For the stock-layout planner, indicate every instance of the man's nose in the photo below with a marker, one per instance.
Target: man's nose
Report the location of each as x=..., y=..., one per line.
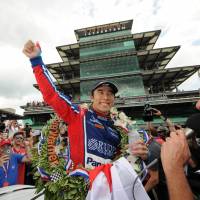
x=105, y=96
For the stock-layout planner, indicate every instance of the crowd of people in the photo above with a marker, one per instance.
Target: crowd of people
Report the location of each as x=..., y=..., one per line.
x=175, y=173
x=36, y=104
x=166, y=140
x=16, y=142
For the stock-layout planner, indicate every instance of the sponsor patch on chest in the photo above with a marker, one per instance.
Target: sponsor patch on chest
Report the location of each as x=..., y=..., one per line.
x=92, y=162
x=99, y=126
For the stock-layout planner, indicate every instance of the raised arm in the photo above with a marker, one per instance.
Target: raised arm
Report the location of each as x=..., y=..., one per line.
x=174, y=155
x=165, y=119
x=58, y=101
x=151, y=128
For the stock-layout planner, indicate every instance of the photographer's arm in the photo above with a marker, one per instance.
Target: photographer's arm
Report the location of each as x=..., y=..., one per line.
x=174, y=155
x=170, y=124
x=165, y=119
x=151, y=128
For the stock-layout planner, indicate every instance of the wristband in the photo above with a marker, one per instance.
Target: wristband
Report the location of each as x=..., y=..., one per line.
x=36, y=61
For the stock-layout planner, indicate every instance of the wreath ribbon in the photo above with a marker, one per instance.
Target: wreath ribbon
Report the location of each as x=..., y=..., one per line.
x=106, y=170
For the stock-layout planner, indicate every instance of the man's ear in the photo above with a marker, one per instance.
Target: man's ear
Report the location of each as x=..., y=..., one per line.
x=91, y=98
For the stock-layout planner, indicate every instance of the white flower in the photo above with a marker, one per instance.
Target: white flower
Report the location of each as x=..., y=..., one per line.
x=121, y=119
x=123, y=116
x=113, y=111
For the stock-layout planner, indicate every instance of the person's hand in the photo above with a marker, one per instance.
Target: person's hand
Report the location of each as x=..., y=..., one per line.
x=175, y=152
x=156, y=112
x=31, y=50
x=28, y=142
x=138, y=148
x=198, y=105
x=4, y=159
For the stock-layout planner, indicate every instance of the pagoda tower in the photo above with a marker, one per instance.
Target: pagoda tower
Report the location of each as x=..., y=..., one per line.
x=111, y=52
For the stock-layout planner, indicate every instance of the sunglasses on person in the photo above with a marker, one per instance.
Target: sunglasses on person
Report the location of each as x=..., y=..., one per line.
x=19, y=138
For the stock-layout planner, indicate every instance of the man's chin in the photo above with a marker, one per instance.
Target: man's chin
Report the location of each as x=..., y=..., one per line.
x=102, y=108
x=105, y=110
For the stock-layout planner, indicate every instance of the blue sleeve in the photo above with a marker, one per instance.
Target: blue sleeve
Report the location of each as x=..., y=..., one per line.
x=2, y=177
x=36, y=61
x=18, y=157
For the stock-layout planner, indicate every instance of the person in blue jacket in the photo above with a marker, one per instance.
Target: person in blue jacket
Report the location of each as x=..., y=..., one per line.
x=9, y=164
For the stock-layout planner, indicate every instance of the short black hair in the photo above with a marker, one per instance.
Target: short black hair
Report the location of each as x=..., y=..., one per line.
x=18, y=133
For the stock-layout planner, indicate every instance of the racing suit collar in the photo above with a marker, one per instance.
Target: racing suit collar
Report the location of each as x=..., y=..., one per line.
x=101, y=115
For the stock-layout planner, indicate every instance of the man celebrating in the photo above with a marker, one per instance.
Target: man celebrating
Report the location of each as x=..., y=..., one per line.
x=92, y=136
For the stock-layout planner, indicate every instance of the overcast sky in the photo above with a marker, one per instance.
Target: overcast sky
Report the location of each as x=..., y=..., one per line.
x=52, y=23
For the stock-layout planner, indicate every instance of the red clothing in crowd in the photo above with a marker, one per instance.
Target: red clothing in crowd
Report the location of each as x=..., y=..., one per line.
x=21, y=167
x=159, y=140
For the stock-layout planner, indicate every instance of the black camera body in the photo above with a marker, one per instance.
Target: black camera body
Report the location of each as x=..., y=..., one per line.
x=148, y=113
x=7, y=150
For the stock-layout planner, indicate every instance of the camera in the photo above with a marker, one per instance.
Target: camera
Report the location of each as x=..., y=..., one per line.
x=147, y=113
x=7, y=150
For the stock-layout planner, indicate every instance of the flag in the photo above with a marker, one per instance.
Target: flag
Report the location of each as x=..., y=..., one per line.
x=120, y=186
